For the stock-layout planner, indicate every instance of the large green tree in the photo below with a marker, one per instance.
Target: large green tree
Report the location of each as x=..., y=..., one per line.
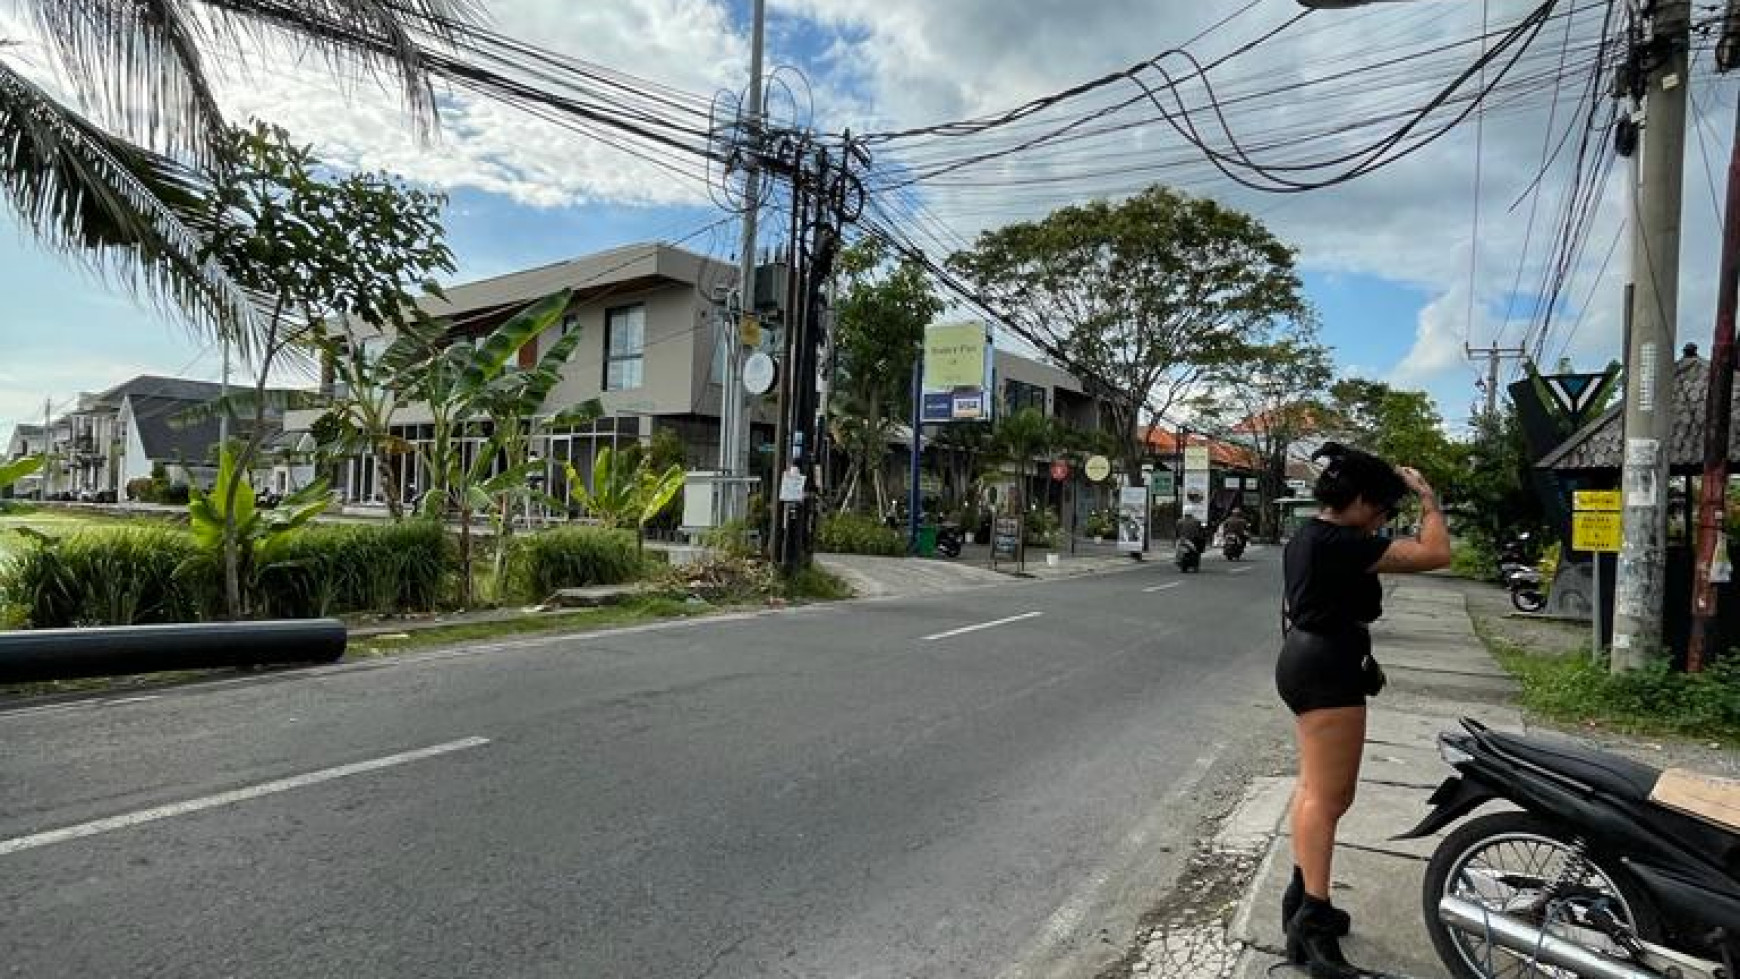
x=1138, y=298
x=880, y=318
x=1270, y=400
x=1400, y=425
x=310, y=248
x=118, y=176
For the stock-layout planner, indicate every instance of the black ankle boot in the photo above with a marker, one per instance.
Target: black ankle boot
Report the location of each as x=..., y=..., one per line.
x=1296, y=892
x=1312, y=942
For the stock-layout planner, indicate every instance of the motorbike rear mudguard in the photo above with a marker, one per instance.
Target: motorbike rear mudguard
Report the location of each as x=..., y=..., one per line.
x=1456, y=798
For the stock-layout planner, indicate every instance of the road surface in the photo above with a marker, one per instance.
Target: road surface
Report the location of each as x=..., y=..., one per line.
x=970, y=784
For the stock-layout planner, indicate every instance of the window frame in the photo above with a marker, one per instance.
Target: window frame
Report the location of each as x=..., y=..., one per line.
x=611, y=358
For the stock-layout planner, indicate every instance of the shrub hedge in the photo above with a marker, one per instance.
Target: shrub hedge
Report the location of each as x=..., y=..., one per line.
x=111, y=576
x=851, y=533
x=572, y=557
x=135, y=576
x=334, y=569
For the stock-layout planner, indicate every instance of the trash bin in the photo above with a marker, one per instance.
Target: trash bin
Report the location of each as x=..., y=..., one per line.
x=926, y=543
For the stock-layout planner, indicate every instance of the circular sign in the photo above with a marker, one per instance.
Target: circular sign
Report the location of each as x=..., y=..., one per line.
x=1098, y=468
x=758, y=373
x=1059, y=471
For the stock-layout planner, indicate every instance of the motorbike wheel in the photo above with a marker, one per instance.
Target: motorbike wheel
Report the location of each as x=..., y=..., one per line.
x=1527, y=600
x=1505, y=861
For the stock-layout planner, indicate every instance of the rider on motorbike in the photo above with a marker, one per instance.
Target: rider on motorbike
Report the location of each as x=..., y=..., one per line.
x=1235, y=525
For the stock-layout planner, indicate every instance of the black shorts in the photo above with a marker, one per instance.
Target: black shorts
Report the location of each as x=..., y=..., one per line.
x=1318, y=671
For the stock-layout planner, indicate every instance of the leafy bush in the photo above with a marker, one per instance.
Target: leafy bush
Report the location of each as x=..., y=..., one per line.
x=1101, y=523
x=108, y=576
x=333, y=569
x=1042, y=528
x=851, y=533
x=1472, y=557
x=1654, y=700
x=141, y=490
x=572, y=557
x=175, y=494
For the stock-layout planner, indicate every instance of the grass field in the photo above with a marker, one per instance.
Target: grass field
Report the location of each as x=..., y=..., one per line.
x=51, y=521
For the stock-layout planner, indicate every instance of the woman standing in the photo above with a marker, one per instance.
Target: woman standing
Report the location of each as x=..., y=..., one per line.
x=1326, y=670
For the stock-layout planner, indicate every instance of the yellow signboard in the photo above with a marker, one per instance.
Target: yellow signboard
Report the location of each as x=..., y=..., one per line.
x=954, y=357
x=1602, y=500
x=749, y=331
x=1594, y=530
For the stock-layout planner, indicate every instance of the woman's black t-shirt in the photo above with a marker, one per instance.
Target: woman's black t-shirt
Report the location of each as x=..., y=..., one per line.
x=1330, y=587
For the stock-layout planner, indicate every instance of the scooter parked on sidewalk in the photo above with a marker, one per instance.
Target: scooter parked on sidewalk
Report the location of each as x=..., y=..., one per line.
x=948, y=540
x=1524, y=584
x=1605, y=873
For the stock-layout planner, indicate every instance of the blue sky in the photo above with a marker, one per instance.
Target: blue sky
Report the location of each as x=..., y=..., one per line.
x=1386, y=260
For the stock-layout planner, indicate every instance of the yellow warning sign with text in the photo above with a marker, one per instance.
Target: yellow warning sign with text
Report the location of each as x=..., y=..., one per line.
x=1601, y=500
x=1595, y=530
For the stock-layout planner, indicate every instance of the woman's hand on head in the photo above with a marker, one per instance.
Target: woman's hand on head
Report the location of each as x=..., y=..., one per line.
x=1415, y=481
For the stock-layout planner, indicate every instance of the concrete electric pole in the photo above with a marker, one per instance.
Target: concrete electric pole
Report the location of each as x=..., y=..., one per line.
x=1649, y=360
x=1495, y=355
x=733, y=414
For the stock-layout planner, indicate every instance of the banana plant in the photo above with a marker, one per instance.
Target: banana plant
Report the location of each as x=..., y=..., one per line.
x=230, y=502
x=625, y=496
x=462, y=385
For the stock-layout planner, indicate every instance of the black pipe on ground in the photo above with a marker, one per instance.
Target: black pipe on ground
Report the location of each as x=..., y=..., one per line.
x=36, y=655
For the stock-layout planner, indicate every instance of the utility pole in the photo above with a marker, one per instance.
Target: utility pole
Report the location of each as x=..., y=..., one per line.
x=1494, y=355
x=733, y=416
x=1712, y=503
x=1649, y=361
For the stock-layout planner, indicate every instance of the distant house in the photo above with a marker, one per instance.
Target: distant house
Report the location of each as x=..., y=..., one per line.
x=119, y=435
x=26, y=440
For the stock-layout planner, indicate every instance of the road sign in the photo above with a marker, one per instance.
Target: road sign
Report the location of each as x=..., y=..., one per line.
x=1098, y=468
x=1595, y=530
x=758, y=373
x=749, y=331
x=1196, y=458
x=1059, y=470
x=1597, y=500
x=1161, y=484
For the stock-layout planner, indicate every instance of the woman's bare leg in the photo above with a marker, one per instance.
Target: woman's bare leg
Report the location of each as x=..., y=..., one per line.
x=1331, y=743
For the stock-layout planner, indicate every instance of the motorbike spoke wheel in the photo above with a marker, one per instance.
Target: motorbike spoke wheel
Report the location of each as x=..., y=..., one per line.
x=1510, y=863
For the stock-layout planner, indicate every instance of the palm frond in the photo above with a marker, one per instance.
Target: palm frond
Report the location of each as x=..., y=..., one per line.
x=125, y=212
x=137, y=65
x=385, y=37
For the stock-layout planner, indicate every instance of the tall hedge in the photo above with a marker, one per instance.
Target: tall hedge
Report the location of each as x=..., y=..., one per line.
x=134, y=576
x=572, y=557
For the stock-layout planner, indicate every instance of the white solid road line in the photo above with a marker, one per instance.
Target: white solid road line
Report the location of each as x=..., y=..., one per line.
x=1169, y=584
x=983, y=625
x=125, y=820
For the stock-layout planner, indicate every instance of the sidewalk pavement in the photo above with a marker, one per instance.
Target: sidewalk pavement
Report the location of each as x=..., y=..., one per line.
x=1439, y=671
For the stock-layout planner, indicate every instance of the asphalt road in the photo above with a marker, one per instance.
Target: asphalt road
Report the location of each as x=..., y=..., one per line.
x=847, y=790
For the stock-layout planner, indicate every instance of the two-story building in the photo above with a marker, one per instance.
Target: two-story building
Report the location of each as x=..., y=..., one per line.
x=651, y=352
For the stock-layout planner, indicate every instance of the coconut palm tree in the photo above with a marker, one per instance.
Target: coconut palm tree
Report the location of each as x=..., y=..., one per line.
x=112, y=175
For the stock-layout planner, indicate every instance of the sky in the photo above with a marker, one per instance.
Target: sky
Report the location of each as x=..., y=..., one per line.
x=1391, y=261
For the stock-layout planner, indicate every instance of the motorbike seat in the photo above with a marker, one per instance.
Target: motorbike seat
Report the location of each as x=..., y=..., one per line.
x=1598, y=769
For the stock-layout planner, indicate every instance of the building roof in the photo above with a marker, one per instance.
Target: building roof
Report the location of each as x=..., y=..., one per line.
x=1163, y=442
x=1601, y=443
x=630, y=266
x=166, y=437
x=152, y=385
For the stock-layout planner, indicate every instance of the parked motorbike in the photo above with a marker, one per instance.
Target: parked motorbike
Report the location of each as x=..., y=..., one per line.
x=1232, y=546
x=1524, y=582
x=1187, y=555
x=1591, y=878
x=948, y=540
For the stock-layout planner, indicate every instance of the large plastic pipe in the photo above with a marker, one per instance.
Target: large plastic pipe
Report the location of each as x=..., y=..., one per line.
x=35, y=655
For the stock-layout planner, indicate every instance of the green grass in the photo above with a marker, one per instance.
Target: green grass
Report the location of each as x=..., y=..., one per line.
x=557, y=623
x=1570, y=688
x=55, y=523
x=814, y=584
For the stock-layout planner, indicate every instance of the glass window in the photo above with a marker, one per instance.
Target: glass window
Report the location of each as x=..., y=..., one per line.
x=624, y=348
